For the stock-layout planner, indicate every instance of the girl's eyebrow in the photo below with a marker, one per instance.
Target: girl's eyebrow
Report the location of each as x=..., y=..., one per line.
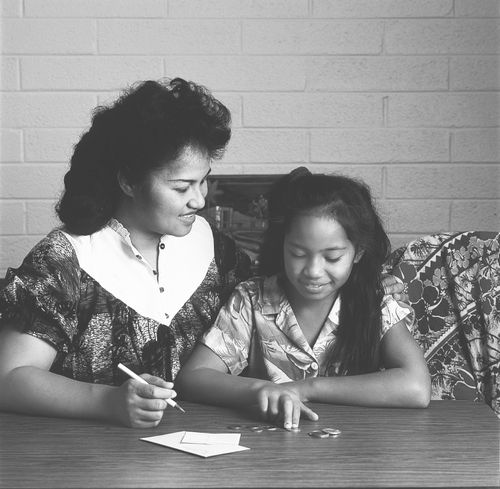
x=187, y=180
x=332, y=248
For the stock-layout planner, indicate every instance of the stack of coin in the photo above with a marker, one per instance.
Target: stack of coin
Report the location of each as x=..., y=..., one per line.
x=325, y=433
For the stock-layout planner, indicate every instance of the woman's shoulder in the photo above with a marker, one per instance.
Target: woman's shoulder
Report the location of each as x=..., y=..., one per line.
x=52, y=249
x=53, y=256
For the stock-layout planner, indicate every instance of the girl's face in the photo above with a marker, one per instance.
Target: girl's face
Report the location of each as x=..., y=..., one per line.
x=318, y=258
x=167, y=200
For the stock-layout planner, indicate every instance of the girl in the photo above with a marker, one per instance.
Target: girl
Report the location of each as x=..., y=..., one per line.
x=316, y=327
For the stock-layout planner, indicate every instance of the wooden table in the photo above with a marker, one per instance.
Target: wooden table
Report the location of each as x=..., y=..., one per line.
x=450, y=444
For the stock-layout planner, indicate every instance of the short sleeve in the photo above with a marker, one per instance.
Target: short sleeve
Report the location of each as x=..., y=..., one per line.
x=230, y=336
x=394, y=312
x=41, y=296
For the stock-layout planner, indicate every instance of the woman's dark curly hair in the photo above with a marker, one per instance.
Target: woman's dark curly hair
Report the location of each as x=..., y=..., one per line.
x=150, y=124
x=349, y=202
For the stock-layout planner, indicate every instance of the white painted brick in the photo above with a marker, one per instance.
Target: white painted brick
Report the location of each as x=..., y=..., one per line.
x=9, y=73
x=13, y=249
x=11, y=145
x=312, y=37
x=32, y=181
x=443, y=182
x=256, y=146
x=238, y=8
x=87, y=72
x=443, y=109
x=95, y=8
x=169, y=37
x=268, y=168
x=25, y=110
x=381, y=8
x=475, y=73
x=312, y=110
x=371, y=175
x=398, y=240
x=109, y=98
x=11, y=8
x=477, y=8
x=41, y=217
x=377, y=73
x=50, y=145
x=220, y=167
x=380, y=146
x=12, y=217
x=475, y=215
x=251, y=73
x=410, y=216
x=61, y=36
x=442, y=36
x=476, y=145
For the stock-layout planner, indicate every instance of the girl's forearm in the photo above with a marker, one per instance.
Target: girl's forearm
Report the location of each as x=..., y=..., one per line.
x=35, y=391
x=388, y=388
x=214, y=387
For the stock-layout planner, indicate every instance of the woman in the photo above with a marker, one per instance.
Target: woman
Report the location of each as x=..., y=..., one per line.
x=133, y=276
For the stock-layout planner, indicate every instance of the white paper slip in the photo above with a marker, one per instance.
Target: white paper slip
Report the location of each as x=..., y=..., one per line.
x=174, y=440
x=211, y=438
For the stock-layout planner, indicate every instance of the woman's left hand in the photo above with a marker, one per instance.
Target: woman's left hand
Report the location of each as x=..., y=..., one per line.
x=393, y=286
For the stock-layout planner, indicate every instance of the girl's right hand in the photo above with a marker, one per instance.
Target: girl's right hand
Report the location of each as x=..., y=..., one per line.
x=278, y=403
x=139, y=405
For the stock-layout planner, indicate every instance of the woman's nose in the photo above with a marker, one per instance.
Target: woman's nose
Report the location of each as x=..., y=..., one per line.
x=197, y=201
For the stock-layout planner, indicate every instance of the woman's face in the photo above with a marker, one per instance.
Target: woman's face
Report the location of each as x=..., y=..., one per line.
x=167, y=200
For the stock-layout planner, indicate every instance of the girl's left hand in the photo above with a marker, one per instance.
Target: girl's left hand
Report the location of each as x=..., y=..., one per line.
x=277, y=402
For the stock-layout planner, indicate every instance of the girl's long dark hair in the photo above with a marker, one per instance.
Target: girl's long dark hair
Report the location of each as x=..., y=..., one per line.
x=349, y=202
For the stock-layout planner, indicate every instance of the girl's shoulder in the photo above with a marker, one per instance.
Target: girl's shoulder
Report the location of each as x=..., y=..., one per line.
x=252, y=286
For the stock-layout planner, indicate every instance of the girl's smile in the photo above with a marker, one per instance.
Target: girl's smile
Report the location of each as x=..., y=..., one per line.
x=318, y=258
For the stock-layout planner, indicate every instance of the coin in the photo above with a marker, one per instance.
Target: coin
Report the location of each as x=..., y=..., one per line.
x=331, y=431
x=235, y=427
x=256, y=429
x=318, y=434
x=295, y=429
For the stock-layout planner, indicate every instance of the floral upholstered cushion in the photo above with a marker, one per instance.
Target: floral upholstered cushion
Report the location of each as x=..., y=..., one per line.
x=453, y=284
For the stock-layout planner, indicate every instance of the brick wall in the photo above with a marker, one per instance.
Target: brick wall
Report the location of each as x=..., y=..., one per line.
x=402, y=93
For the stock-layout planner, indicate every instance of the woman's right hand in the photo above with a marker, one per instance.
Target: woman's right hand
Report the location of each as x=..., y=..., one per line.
x=139, y=405
x=278, y=403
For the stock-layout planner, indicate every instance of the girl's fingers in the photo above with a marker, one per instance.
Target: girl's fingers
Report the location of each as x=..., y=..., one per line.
x=297, y=408
x=262, y=404
x=308, y=412
x=287, y=407
x=273, y=409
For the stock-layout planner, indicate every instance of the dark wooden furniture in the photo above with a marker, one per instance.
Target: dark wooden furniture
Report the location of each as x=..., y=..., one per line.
x=450, y=444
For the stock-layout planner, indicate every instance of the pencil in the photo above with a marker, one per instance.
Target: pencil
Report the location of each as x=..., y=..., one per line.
x=129, y=372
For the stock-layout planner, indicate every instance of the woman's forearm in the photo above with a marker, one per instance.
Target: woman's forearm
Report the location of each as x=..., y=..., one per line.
x=393, y=387
x=36, y=391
